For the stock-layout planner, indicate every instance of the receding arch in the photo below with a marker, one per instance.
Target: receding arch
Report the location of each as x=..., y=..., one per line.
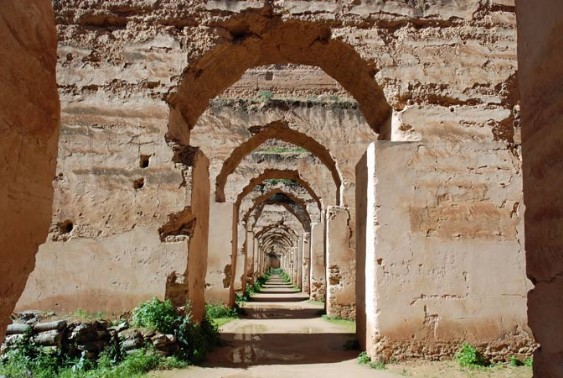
x=267, y=196
x=279, y=226
x=283, y=174
x=259, y=38
x=295, y=209
x=277, y=130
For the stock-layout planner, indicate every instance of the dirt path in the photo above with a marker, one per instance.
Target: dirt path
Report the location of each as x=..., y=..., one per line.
x=285, y=348
x=283, y=335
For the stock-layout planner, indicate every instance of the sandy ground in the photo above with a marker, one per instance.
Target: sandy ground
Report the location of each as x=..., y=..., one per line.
x=284, y=336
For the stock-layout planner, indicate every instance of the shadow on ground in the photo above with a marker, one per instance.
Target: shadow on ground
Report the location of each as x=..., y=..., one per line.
x=250, y=349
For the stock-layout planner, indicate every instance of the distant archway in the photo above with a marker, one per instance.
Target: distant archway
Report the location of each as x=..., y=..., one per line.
x=277, y=130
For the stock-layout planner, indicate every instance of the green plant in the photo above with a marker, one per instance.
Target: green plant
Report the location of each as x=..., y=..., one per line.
x=24, y=358
x=215, y=311
x=364, y=359
x=157, y=315
x=529, y=362
x=469, y=356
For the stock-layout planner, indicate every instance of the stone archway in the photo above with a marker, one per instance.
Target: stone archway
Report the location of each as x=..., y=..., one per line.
x=260, y=38
x=277, y=130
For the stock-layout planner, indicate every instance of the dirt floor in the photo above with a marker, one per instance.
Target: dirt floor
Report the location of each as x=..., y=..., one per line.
x=286, y=337
x=314, y=347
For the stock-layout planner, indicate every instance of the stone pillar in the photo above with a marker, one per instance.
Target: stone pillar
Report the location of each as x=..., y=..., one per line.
x=240, y=267
x=366, y=300
x=318, y=267
x=540, y=61
x=250, y=258
x=341, y=265
x=299, y=262
x=198, y=244
x=219, y=262
x=29, y=114
x=306, y=268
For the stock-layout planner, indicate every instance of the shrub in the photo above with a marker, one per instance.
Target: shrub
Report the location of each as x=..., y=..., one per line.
x=469, y=356
x=156, y=315
x=25, y=358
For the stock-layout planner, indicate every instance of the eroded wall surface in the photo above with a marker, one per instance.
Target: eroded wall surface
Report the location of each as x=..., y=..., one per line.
x=29, y=124
x=540, y=43
x=447, y=260
x=448, y=70
x=340, y=265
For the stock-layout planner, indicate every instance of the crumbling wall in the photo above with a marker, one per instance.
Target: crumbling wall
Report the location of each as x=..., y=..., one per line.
x=29, y=124
x=446, y=69
x=540, y=43
x=116, y=184
x=447, y=260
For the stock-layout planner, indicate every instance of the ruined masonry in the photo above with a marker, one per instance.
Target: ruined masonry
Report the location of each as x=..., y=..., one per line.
x=371, y=149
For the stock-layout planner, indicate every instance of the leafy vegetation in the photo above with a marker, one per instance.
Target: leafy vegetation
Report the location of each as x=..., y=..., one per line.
x=280, y=150
x=288, y=182
x=221, y=314
x=469, y=356
x=156, y=315
x=27, y=359
x=364, y=359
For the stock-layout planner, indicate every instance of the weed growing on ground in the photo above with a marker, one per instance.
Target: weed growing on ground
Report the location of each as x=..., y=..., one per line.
x=221, y=314
x=364, y=359
x=469, y=356
x=215, y=311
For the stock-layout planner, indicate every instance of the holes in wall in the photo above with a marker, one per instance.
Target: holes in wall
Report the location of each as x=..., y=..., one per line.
x=66, y=226
x=269, y=76
x=139, y=183
x=144, y=161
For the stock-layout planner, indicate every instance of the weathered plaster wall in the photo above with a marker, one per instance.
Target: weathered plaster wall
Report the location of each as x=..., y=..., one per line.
x=219, y=262
x=29, y=124
x=447, y=70
x=448, y=248
x=112, y=274
x=540, y=44
x=340, y=265
x=318, y=271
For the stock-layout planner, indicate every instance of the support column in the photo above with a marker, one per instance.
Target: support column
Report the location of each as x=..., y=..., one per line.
x=318, y=264
x=299, y=262
x=198, y=244
x=341, y=265
x=306, y=267
x=540, y=61
x=240, y=267
x=219, y=262
x=250, y=258
x=366, y=300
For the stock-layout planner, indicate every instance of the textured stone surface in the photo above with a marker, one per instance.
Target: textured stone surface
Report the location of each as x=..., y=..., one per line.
x=432, y=283
x=433, y=72
x=540, y=31
x=340, y=265
x=29, y=121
